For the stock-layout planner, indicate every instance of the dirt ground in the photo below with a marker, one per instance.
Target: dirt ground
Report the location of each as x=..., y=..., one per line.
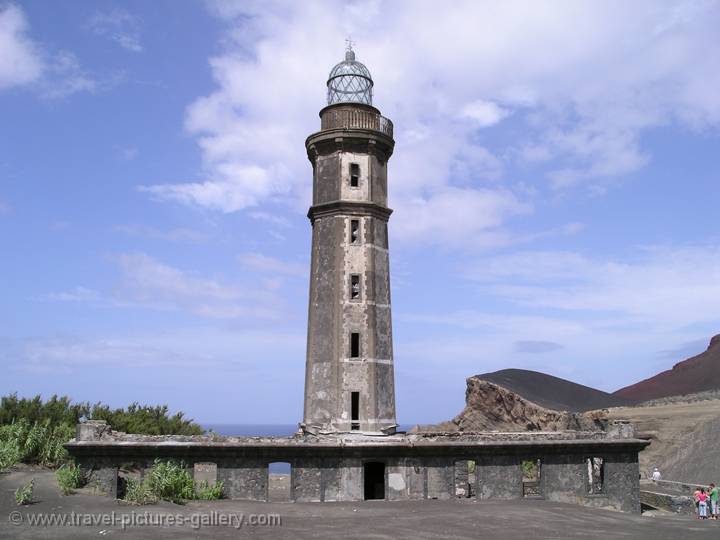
x=456, y=519
x=672, y=427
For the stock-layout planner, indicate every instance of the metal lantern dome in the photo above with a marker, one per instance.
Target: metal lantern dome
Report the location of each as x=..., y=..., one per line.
x=349, y=82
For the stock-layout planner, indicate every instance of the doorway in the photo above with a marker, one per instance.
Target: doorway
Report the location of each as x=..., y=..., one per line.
x=279, y=486
x=374, y=480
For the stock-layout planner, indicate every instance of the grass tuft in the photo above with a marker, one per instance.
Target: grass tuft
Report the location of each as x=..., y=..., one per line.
x=24, y=494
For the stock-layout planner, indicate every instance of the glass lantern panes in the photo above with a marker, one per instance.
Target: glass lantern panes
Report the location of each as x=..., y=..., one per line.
x=349, y=82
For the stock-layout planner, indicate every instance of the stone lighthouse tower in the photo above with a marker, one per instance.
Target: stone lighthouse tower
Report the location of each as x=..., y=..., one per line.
x=349, y=379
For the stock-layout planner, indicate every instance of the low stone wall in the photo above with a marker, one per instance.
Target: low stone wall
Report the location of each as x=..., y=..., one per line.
x=415, y=467
x=680, y=504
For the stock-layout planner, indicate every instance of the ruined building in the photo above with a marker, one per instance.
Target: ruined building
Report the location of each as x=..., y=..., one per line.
x=347, y=448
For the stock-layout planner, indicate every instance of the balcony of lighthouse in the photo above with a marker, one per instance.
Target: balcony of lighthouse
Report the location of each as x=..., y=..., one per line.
x=345, y=116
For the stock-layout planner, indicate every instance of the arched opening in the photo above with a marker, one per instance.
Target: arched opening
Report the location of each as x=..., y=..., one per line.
x=374, y=480
x=279, y=481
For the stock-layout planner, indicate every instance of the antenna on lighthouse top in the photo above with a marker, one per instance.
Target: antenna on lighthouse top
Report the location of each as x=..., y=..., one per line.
x=349, y=53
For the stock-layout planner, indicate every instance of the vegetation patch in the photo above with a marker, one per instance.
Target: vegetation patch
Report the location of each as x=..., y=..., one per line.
x=136, y=418
x=35, y=431
x=69, y=478
x=38, y=442
x=170, y=481
x=137, y=492
x=24, y=494
x=206, y=492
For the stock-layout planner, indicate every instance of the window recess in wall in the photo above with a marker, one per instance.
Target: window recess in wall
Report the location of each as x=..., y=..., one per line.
x=354, y=175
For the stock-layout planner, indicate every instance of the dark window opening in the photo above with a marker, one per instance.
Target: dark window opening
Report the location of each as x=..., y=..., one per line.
x=355, y=410
x=354, y=345
x=354, y=230
x=531, y=471
x=354, y=175
x=374, y=480
x=596, y=475
x=354, y=287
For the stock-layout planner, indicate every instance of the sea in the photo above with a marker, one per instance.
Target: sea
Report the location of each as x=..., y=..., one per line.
x=267, y=430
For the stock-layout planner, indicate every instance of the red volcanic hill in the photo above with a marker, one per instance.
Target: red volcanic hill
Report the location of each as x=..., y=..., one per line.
x=697, y=374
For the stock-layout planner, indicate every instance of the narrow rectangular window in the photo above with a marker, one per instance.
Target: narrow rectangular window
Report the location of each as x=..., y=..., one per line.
x=354, y=175
x=355, y=410
x=596, y=475
x=354, y=230
x=354, y=345
x=354, y=287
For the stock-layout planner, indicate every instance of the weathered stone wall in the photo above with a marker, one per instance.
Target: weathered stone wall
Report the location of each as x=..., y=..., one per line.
x=244, y=479
x=680, y=504
x=307, y=482
x=498, y=477
x=564, y=478
x=416, y=466
x=622, y=481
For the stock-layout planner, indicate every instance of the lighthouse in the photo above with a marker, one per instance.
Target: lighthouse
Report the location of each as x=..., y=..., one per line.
x=349, y=377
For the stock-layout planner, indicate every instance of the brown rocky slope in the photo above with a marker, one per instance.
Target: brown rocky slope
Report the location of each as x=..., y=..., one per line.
x=697, y=374
x=491, y=407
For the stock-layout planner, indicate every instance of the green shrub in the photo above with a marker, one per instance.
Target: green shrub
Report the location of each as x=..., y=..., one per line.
x=142, y=419
x=170, y=481
x=206, y=492
x=137, y=492
x=69, y=478
x=24, y=494
x=9, y=453
x=530, y=469
x=146, y=420
x=40, y=443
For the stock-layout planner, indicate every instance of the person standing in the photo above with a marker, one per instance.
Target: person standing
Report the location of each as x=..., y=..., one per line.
x=696, y=499
x=702, y=504
x=656, y=475
x=713, y=501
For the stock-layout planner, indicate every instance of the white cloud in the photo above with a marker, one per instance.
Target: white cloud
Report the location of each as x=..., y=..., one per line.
x=150, y=283
x=239, y=187
x=25, y=62
x=64, y=76
x=484, y=113
x=458, y=217
x=20, y=62
x=584, y=82
x=62, y=354
x=663, y=287
x=77, y=294
x=119, y=26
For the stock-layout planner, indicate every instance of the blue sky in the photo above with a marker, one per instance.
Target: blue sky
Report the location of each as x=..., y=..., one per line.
x=555, y=187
